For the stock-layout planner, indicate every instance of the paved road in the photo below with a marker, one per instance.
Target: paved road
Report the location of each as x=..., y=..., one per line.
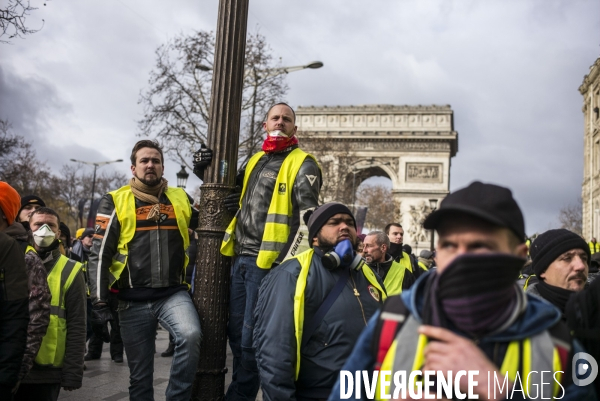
x=109, y=381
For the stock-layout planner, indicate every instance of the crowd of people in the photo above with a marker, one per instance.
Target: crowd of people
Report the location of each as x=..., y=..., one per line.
x=309, y=297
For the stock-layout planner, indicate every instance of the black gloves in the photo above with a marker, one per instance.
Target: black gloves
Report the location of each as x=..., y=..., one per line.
x=202, y=159
x=232, y=201
x=100, y=316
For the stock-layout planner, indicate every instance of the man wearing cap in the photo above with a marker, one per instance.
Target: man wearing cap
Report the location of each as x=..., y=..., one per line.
x=425, y=259
x=312, y=308
x=28, y=204
x=39, y=293
x=469, y=314
x=393, y=274
x=560, y=261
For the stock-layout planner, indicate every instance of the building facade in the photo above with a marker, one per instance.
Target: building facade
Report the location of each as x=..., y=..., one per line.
x=590, y=193
x=411, y=145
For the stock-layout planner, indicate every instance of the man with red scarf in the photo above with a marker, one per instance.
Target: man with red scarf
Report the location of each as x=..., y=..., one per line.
x=279, y=184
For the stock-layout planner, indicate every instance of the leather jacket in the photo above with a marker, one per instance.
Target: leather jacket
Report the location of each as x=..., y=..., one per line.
x=257, y=199
x=156, y=255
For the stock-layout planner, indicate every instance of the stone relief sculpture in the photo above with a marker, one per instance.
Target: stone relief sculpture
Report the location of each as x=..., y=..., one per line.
x=418, y=214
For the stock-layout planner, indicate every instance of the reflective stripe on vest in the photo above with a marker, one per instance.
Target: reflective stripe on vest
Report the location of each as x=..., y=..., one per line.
x=305, y=259
x=535, y=354
x=125, y=210
x=527, y=281
x=395, y=276
x=279, y=215
x=60, y=278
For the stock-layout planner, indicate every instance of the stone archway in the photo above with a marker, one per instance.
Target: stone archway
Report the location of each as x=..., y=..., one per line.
x=412, y=145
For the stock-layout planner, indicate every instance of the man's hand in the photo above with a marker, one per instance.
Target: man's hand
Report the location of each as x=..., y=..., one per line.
x=202, y=159
x=100, y=316
x=232, y=201
x=453, y=352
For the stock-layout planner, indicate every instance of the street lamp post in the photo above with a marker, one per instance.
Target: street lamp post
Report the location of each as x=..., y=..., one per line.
x=90, y=222
x=353, y=191
x=182, y=177
x=211, y=290
x=433, y=205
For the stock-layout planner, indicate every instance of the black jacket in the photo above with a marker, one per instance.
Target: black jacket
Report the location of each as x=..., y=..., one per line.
x=156, y=255
x=14, y=311
x=257, y=199
x=330, y=344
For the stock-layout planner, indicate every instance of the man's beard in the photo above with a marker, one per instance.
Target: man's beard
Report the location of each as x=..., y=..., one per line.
x=325, y=244
x=150, y=183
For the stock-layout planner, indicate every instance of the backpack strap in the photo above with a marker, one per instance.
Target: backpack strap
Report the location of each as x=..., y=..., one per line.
x=315, y=321
x=563, y=343
x=392, y=318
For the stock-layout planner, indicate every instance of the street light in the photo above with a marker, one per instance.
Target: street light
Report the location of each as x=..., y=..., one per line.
x=90, y=223
x=433, y=205
x=272, y=71
x=182, y=177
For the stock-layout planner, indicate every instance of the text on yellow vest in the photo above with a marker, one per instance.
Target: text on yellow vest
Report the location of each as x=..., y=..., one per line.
x=279, y=215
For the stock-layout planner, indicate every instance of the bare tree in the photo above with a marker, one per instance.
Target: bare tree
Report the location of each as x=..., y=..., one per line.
x=12, y=20
x=378, y=199
x=177, y=103
x=570, y=217
x=21, y=168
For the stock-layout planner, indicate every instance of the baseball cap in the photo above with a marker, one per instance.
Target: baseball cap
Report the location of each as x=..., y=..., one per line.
x=488, y=202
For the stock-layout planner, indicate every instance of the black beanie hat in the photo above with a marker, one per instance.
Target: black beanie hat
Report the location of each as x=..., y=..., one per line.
x=31, y=199
x=321, y=214
x=64, y=229
x=550, y=245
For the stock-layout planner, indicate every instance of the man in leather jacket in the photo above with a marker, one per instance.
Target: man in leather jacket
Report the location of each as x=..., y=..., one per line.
x=140, y=247
x=279, y=176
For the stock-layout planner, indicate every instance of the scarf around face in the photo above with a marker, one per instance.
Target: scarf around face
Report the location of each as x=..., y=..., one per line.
x=149, y=194
x=555, y=295
x=476, y=294
x=278, y=143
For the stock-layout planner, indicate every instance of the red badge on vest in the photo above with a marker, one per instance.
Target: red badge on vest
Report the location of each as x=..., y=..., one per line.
x=374, y=293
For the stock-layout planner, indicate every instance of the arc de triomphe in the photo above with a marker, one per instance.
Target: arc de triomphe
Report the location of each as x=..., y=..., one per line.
x=412, y=145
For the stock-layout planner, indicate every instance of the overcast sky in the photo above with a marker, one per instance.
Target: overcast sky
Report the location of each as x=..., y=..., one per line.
x=510, y=69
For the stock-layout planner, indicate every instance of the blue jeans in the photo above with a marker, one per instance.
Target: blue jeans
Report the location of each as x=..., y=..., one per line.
x=138, y=329
x=245, y=280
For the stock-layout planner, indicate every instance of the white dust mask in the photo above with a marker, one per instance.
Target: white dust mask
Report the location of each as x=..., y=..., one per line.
x=44, y=236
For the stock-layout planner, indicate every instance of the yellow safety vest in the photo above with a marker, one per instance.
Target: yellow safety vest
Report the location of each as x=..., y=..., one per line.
x=279, y=215
x=594, y=247
x=305, y=259
x=125, y=209
x=423, y=266
x=539, y=354
x=60, y=278
x=395, y=276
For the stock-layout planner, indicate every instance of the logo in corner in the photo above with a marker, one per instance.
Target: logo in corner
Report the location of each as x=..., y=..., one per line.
x=282, y=188
x=584, y=369
x=374, y=293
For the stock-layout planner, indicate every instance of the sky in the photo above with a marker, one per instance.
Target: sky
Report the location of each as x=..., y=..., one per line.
x=510, y=69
